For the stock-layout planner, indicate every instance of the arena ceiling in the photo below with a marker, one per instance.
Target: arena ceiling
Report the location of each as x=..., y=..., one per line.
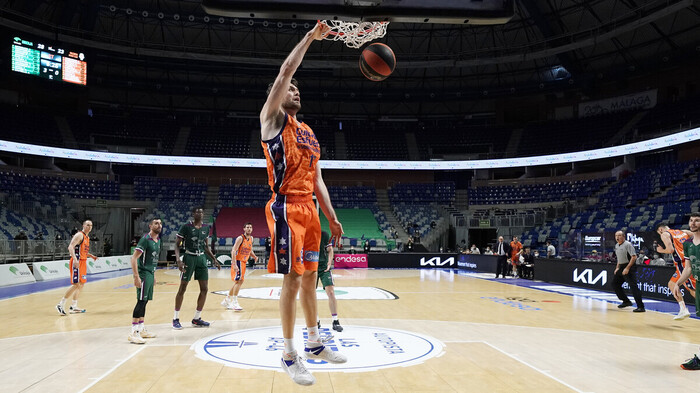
x=548, y=44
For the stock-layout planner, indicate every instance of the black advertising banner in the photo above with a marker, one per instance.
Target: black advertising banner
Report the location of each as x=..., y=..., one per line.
x=476, y=262
x=412, y=261
x=652, y=280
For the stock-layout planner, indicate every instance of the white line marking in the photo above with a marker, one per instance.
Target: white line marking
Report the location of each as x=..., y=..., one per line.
x=111, y=370
x=543, y=372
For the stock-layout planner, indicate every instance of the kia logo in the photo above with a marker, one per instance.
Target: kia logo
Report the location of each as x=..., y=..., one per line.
x=436, y=261
x=586, y=277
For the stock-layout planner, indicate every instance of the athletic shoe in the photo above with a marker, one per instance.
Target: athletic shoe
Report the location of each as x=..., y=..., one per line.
x=146, y=334
x=176, y=324
x=337, y=327
x=324, y=353
x=691, y=364
x=199, y=323
x=236, y=307
x=624, y=304
x=639, y=309
x=76, y=310
x=135, y=338
x=682, y=314
x=225, y=303
x=60, y=309
x=296, y=369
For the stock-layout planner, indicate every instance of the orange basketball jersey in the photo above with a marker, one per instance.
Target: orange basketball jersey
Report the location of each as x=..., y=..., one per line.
x=244, y=249
x=291, y=157
x=678, y=237
x=82, y=248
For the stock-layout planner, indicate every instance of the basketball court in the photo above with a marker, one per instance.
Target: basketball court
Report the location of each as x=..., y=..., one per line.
x=442, y=331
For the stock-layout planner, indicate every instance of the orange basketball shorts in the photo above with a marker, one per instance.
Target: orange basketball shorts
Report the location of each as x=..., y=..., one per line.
x=295, y=234
x=79, y=272
x=240, y=274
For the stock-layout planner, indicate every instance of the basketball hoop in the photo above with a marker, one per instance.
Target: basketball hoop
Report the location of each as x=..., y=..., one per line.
x=355, y=34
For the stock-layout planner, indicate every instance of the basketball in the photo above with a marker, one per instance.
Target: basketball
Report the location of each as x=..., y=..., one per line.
x=377, y=62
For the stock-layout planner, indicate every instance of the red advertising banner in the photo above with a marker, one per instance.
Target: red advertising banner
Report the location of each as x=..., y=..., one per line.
x=350, y=261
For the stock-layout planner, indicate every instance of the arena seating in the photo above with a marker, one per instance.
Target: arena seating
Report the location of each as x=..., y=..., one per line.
x=642, y=184
x=375, y=141
x=535, y=193
x=358, y=224
x=230, y=222
x=175, y=200
x=57, y=186
x=156, y=131
x=165, y=189
x=227, y=138
x=439, y=138
x=631, y=204
x=243, y=195
x=415, y=204
x=12, y=222
x=571, y=135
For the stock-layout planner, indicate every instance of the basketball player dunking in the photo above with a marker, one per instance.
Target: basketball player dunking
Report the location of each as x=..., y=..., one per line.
x=673, y=240
x=292, y=152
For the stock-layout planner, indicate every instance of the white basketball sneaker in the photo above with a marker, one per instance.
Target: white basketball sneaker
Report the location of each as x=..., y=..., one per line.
x=146, y=334
x=135, y=338
x=682, y=314
x=296, y=369
x=225, y=303
x=236, y=307
x=324, y=353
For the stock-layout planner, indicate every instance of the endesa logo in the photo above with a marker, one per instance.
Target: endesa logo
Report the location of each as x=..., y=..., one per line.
x=437, y=261
x=586, y=277
x=350, y=260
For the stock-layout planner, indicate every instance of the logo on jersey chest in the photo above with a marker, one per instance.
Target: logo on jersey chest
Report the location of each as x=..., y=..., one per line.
x=307, y=140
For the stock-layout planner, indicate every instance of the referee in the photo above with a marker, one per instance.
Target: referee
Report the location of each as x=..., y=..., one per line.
x=626, y=270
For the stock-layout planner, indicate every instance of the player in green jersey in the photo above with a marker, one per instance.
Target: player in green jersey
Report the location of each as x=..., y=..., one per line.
x=194, y=236
x=691, y=252
x=144, y=263
x=325, y=259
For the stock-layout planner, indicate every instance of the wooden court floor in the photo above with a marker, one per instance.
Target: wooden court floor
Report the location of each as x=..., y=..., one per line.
x=555, y=343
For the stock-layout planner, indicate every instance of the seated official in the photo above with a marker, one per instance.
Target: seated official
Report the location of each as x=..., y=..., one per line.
x=526, y=269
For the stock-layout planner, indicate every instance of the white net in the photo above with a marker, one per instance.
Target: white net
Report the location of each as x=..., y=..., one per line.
x=355, y=34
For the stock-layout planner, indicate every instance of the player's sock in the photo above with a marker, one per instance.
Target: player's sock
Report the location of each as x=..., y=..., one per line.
x=134, y=327
x=289, y=351
x=62, y=302
x=228, y=298
x=141, y=327
x=176, y=315
x=335, y=317
x=197, y=314
x=313, y=336
x=235, y=299
x=682, y=304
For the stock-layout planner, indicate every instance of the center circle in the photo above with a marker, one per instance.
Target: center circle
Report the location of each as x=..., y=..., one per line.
x=367, y=348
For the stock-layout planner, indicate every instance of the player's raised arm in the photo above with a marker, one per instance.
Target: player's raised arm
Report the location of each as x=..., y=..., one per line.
x=271, y=113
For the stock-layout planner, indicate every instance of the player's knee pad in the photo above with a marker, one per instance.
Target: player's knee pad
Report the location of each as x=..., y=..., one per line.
x=140, y=309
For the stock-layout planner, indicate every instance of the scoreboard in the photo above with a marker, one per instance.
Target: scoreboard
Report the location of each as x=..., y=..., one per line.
x=48, y=61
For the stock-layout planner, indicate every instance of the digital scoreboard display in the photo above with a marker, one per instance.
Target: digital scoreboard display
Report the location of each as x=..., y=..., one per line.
x=48, y=61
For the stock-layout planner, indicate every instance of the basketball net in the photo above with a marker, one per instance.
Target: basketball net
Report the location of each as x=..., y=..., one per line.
x=355, y=34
